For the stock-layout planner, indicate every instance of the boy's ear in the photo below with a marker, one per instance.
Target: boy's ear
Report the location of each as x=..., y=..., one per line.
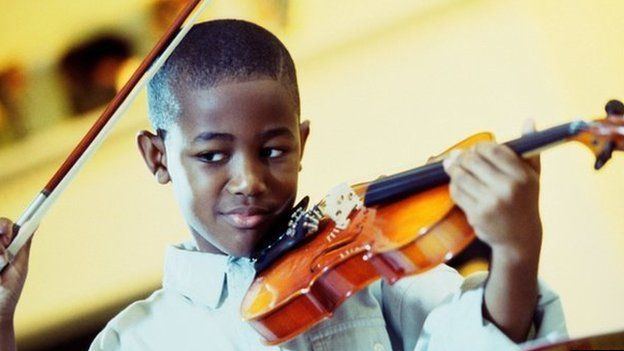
x=152, y=148
x=304, y=131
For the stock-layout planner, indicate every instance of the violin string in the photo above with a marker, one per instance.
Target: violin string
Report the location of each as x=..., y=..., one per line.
x=433, y=174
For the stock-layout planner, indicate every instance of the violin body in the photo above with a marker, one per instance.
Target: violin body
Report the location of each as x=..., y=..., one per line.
x=388, y=241
x=387, y=229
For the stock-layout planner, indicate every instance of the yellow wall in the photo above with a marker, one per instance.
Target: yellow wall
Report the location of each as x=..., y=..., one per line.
x=379, y=102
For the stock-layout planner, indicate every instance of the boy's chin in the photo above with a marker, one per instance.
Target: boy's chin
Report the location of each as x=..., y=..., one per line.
x=236, y=243
x=241, y=252
x=246, y=245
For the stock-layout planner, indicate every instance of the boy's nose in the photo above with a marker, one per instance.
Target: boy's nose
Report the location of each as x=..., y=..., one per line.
x=246, y=179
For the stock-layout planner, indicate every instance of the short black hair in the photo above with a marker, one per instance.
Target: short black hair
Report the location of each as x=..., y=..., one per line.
x=214, y=52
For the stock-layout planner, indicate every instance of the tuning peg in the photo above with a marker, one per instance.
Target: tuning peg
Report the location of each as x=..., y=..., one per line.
x=604, y=156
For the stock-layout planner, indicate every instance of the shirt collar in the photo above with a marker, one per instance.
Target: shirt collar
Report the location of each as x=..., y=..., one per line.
x=205, y=278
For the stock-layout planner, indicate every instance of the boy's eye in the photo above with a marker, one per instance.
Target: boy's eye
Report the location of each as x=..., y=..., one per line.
x=270, y=152
x=212, y=156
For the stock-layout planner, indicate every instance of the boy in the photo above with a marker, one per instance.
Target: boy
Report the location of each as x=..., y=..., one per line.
x=225, y=108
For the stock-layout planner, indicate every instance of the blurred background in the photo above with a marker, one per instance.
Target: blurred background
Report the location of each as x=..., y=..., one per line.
x=385, y=85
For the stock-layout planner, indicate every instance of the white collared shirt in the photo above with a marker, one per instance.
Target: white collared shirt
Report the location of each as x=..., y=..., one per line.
x=198, y=309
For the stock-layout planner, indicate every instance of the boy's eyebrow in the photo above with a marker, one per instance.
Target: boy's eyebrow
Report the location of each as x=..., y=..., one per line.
x=281, y=131
x=271, y=133
x=207, y=136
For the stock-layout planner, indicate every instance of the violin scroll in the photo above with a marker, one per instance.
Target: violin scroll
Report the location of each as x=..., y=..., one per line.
x=614, y=108
x=606, y=135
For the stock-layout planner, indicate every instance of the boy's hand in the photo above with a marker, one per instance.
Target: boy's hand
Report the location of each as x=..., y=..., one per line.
x=14, y=275
x=499, y=193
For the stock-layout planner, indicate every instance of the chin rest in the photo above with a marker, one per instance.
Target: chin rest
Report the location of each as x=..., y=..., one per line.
x=302, y=223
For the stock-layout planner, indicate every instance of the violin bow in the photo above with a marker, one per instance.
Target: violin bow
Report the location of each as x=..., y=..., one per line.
x=30, y=219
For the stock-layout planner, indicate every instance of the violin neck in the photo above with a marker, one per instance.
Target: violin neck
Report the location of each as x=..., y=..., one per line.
x=536, y=142
x=419, y=179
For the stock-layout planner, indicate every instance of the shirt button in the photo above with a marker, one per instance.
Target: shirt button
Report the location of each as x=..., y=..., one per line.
x=378, y=347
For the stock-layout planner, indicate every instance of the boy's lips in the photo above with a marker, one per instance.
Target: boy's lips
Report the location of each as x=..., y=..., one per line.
x=246, y=217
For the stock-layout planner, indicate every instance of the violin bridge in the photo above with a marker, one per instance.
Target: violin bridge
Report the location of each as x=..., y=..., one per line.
x=339, y=204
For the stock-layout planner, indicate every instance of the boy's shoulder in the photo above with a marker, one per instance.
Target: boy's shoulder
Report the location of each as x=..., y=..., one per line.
x=143, y=318
x=137, y=314
x=139, y=311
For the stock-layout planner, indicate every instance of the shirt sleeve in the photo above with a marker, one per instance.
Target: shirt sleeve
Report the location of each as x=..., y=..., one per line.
x=439, y=310
x=407, y=303
x=459, y=321
x=108, y=339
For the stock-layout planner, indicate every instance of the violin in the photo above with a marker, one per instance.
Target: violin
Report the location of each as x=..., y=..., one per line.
x=389, y=228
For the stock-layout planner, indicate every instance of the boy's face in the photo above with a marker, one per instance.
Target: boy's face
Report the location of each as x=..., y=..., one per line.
x=233, y=157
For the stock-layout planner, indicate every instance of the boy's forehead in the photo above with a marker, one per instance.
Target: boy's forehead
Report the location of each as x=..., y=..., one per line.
x=238, y=104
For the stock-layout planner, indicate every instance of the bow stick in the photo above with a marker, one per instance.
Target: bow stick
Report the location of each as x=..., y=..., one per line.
x=32, y=216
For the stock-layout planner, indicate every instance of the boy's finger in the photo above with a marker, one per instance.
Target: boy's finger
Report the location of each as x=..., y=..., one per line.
x=451, y=159
x=528, y=128
x=6, y=232
x=500, y=156
x=21, y=259
x=3, y=256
